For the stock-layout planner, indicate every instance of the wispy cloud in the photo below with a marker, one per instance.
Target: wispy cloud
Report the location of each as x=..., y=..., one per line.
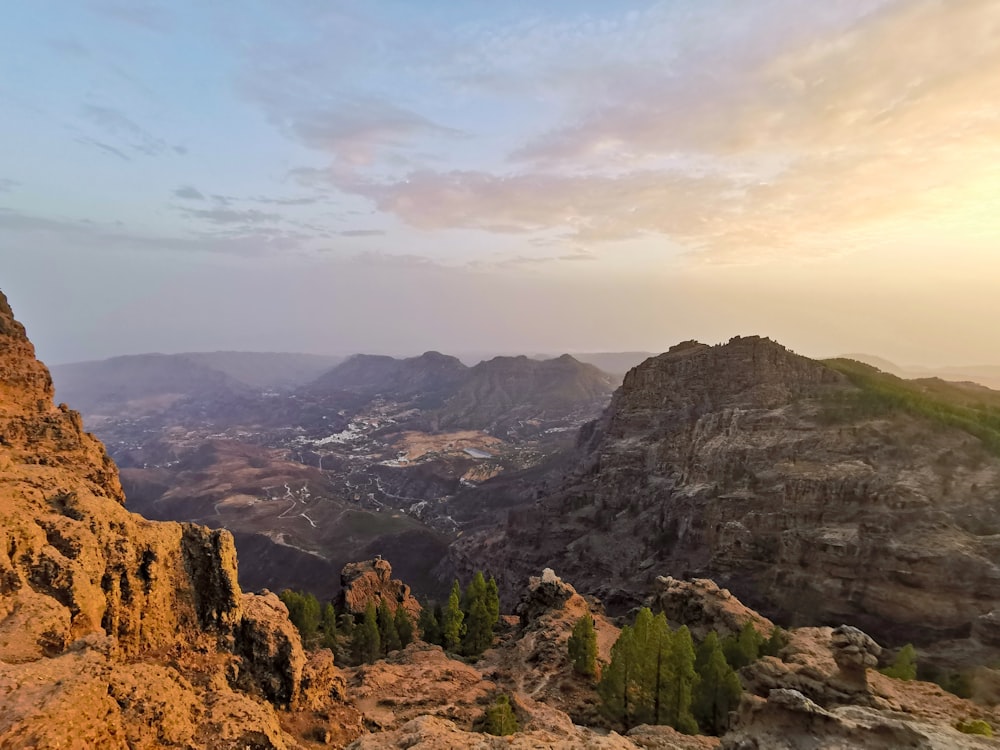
x=186, y=192
x=142, y=14
x=361, y=233
x=114, y=124
x=7, y=185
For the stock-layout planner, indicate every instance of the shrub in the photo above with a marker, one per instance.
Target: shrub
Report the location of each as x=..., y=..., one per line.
x=975, y=726
x=500, y=718
x=904, y=667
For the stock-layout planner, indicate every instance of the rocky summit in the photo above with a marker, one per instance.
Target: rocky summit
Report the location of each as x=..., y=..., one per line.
x=780, y=478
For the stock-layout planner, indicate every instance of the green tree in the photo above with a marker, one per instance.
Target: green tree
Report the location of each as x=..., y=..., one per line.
x=500, y=718
x=366, y=643
x=404, y=626
x=430, y=627
x=328, y=627
x=583, y=646
x=718, y=689
x=678, y=683
x=303, y=611
x=616, y=688
x=904, y=666
x=451, y=624
x=744, y=648
x=388, y=635
x=775, y=642
x=493, y=600
x=480, y=616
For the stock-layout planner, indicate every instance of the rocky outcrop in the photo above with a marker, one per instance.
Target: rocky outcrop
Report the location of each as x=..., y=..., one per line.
x=533, y=660
x=371, y=581
x=116, y=631
x=703, y=606
x=763, y=470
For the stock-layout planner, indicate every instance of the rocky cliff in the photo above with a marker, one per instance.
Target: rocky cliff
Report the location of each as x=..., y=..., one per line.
x=763, y=470
x=116, y=631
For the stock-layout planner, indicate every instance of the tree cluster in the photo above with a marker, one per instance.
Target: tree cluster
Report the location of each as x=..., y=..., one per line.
x=465, y=625
x=317, y=624
x=656, y=676
x=381, y=631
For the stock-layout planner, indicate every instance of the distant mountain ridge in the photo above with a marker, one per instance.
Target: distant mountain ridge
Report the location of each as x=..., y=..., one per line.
x=985, y=375
x=493, y=394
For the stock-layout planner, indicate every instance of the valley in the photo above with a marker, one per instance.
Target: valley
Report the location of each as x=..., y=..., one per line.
x=365, y=459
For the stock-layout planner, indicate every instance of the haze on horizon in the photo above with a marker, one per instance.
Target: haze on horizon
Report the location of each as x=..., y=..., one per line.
x=393, y=177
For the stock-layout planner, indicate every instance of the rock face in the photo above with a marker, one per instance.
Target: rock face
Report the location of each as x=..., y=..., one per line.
x=703, y=606
x=740, y=463
x=118, y=629
x=372, y=581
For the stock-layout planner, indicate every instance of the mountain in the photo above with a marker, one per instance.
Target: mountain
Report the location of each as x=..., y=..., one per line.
x=148, y=383
x=120, y=632
x=504, y=391
x=984, y=375
x=430, y=376
x=267, y=370
x=818, y=492
x=140, y=384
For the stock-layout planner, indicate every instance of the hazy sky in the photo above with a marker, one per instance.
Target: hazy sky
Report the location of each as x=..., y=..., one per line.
x=393, y=176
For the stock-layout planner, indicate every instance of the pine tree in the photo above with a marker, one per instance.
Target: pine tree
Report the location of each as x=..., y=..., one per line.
x=430, y=627
x=479, y=619
x=404, y=626
x=744, y=648
x=904, y=667
x=583, y=646
x=718, y=689
x=493, y=601
x=303, y=611
x=500, y=718
x=775, y=642
x=616, y=688
x=328, y=627
x=388, y=635
x=366, y=644
x=451, y=624
x=679, y=682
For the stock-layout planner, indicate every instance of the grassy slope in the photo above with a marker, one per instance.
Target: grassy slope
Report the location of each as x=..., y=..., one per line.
x=969, y=407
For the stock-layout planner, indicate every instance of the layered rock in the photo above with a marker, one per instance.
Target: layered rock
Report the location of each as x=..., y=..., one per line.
x=739, y=463
x=370, y=582
x=125, y=630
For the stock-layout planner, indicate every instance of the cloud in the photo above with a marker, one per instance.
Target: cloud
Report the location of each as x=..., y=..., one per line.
x=812, y=137
x=361, y=233
x=138, y=13
x=128, y=134
x=357, y=131
x=221, y=215
x=187, y=192
x=8, y=185
x=105, y=147
x=30, y=231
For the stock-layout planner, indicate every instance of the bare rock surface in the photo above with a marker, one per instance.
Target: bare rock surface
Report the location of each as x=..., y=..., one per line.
x=703, y=606
x=372, y=581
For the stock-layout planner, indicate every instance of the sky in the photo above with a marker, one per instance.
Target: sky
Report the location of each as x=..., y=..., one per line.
x=392, y=176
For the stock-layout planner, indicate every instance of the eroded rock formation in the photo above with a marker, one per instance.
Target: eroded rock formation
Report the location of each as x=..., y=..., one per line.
x=371, y=581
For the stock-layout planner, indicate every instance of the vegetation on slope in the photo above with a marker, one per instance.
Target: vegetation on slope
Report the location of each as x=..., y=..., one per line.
x=971, y=408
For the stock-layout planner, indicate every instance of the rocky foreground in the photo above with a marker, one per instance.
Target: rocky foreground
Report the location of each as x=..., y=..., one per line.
x=118, y=632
